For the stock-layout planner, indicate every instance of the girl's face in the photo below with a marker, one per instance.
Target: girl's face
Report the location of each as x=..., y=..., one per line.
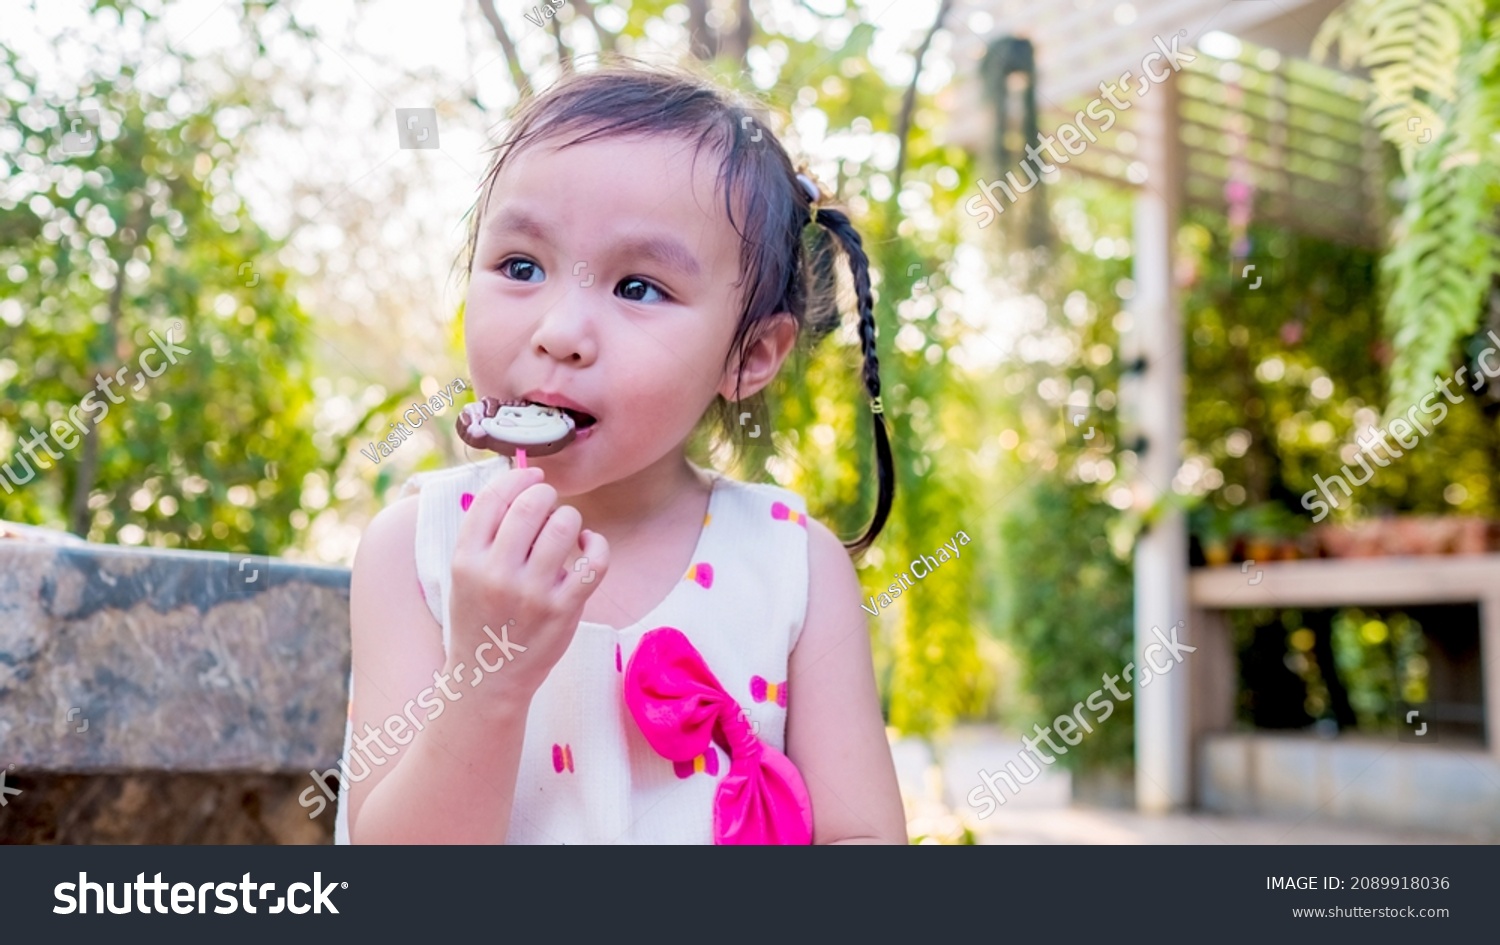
x=603, y=283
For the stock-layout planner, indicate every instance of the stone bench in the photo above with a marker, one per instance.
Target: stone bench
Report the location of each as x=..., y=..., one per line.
x=167, y=696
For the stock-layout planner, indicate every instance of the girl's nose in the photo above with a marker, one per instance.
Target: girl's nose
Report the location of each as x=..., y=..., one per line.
x=565, y=332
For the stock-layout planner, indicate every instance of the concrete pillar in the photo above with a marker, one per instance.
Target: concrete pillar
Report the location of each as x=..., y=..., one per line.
x=1163, y=746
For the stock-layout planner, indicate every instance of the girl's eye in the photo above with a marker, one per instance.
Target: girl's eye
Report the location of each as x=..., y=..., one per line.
x=639, y=290
x=521, y=270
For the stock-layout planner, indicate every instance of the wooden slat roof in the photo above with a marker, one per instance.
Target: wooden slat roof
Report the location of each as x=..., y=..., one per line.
x=1261, y=115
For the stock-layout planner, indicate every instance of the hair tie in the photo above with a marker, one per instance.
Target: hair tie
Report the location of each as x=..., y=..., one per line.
x=814, y=194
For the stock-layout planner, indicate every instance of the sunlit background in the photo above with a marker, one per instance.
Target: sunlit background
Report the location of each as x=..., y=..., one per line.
x=248, y=182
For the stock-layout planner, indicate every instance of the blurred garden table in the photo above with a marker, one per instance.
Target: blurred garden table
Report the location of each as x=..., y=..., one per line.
x=1411, y=782
x=1329, y=583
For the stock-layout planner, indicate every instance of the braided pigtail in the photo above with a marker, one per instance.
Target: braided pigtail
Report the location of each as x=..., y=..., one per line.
x=837, y=223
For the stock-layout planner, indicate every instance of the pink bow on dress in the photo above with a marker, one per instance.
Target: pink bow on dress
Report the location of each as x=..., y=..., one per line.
x=680, y=708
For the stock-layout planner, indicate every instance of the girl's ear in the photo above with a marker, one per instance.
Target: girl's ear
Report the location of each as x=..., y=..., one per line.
x=767, y=347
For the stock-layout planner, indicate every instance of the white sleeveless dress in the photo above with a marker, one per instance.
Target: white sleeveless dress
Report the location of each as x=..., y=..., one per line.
x=587, y=774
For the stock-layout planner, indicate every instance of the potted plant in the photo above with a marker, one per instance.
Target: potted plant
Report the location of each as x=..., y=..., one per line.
x=1213, y=528
x=1270, y=531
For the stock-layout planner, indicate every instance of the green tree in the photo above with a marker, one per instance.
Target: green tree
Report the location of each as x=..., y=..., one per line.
x=129, y=232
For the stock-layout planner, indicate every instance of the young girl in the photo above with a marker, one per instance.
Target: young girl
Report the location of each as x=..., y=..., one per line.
x=636, y=258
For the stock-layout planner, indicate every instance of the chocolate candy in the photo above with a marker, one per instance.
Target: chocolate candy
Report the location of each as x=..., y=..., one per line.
x=514, y=426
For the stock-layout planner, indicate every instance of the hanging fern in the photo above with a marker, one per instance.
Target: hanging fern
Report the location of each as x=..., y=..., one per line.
x=1435, y=74
x=1412, y=49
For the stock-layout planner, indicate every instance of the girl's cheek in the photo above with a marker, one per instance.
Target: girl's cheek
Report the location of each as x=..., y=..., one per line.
x=490, y=344
x=489, y=319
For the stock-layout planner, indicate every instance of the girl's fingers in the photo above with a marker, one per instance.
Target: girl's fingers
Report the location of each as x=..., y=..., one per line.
x=477, y=530
x=522, y=522
x=594, y=553
x=559, y=536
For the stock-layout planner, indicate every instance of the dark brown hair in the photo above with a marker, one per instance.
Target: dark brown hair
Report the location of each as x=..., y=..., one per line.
x=766, y=202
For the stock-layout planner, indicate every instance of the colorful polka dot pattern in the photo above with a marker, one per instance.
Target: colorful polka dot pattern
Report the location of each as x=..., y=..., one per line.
x=706, y=763
x=781, y=512
x=762, y=690
x=702, y=573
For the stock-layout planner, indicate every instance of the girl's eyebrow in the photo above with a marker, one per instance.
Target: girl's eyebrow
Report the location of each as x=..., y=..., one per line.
x=659, y=248
x=662, y=249
x=520, y=222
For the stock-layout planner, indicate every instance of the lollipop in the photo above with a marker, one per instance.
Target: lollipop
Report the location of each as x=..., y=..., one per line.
x=514, y=428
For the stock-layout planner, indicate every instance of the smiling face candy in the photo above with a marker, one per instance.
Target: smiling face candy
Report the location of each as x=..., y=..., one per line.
x=505, y=427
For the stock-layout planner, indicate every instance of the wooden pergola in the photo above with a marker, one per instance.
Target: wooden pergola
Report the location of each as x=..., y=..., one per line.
x=1252, y=121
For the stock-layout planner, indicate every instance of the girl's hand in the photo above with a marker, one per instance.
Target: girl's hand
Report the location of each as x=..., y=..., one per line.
x=513, y=574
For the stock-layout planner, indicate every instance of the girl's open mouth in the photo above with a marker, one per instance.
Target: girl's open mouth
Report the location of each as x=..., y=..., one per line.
x=581, y=420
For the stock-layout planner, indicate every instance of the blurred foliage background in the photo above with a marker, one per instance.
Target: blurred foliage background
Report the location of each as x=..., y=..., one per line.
x=246, y=183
